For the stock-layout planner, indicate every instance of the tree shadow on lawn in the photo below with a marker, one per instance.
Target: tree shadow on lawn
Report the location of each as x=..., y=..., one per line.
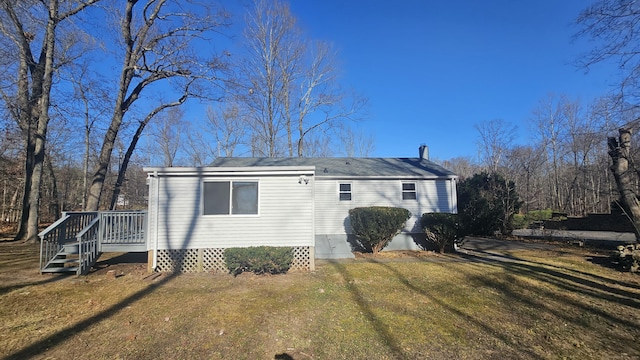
x=380, y=328
x=581, y=292
x=49, y=279
x=383, y=330
x=569, y=281
x=18, y=264
x=44, y=344
x=611, y=262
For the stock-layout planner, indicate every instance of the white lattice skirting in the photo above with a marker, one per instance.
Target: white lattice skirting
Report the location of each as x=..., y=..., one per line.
x=212, y=260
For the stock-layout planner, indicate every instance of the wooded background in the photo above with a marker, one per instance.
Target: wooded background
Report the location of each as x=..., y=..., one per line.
x=76, y=136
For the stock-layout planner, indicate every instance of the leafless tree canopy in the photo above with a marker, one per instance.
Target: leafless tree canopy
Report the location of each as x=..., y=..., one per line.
x=158, y=39
x=288, y=84
x=612, y=26
x=495, y=137
x=84, y=83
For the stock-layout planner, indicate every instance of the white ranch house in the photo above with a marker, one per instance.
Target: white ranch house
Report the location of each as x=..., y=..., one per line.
x=195, y=213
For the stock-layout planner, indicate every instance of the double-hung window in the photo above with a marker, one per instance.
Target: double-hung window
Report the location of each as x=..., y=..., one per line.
x=230, y=198
x=344, y=190
x=409, y=191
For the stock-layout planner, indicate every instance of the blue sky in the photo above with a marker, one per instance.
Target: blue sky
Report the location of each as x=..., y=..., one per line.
x=433, y=69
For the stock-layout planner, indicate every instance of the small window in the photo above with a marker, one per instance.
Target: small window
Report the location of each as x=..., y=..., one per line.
x=230, y=197
x=345, y=192
x=409, y=191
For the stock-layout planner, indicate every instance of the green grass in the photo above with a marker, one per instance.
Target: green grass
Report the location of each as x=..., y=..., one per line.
x=549, y=305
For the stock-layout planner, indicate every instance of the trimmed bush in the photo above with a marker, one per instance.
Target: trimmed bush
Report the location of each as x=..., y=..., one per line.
x=375, y=226
x=258, y=259
x=441, y=229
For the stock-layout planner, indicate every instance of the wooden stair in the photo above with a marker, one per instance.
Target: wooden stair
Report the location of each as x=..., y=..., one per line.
x=65, y=261
x=74, y=242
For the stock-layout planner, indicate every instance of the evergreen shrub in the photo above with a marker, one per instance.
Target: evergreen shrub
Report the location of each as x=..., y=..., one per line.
x=442, y=229
x=375, y=226
x=259, y=259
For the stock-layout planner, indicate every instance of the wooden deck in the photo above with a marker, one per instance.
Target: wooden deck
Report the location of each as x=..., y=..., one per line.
x=73, y=243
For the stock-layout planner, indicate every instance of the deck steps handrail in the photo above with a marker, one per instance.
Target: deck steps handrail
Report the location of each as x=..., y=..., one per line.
x=61, y=232
x=88, y=246
x=90, y=232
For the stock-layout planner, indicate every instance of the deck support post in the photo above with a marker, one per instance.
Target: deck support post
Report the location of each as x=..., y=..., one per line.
x=200, y=260
x=312, y=257
x=150, y=261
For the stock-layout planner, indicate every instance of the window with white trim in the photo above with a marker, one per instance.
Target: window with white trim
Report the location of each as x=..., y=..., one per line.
x=409, y=191
x=230, y=198
x=344, y=190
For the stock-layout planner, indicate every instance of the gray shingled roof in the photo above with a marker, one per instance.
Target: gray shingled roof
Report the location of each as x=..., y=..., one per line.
x=348, y=167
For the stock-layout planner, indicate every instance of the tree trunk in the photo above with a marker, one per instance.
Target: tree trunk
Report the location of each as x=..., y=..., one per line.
x=125, y=163
x=28, y=229
x=134, y=142
x=55, y=203
x=42, y=77
x=97, y=183
x=619, y=151
x=23, y=225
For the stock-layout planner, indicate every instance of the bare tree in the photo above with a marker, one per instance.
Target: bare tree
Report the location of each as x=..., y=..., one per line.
x=289, y=84
x=525, y=164
x=613, y=27
x=30, y=32
x=549, y=121
x=495, y=138
x=464, y=167
x=158, y=38
x=229, y=128
x=198, y=149
x=270, y=26
x=318, y=145
x=356, y=143
x=322, y=104
x=166, y=135
x=91, y=95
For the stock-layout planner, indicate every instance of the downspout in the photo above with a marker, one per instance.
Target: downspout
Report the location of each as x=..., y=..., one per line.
x=454, y=195
x=155, y=221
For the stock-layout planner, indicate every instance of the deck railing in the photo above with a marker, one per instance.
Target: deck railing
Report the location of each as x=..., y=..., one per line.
x=91, y=231
x=88, y=246
x=61, y=232
x=123, y=227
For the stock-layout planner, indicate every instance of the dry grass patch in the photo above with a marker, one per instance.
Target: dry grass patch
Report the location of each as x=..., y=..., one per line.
x=538, y=304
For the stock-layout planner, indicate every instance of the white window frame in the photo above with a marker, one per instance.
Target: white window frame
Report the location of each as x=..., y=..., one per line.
x=414, y=191
x=341, y=192
x=230, y=192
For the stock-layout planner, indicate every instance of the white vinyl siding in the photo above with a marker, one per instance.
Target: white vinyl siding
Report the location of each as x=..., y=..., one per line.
x=285, y=215
x=332, y=216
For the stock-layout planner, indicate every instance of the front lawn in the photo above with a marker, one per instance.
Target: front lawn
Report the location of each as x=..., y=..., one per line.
x=538, y=304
